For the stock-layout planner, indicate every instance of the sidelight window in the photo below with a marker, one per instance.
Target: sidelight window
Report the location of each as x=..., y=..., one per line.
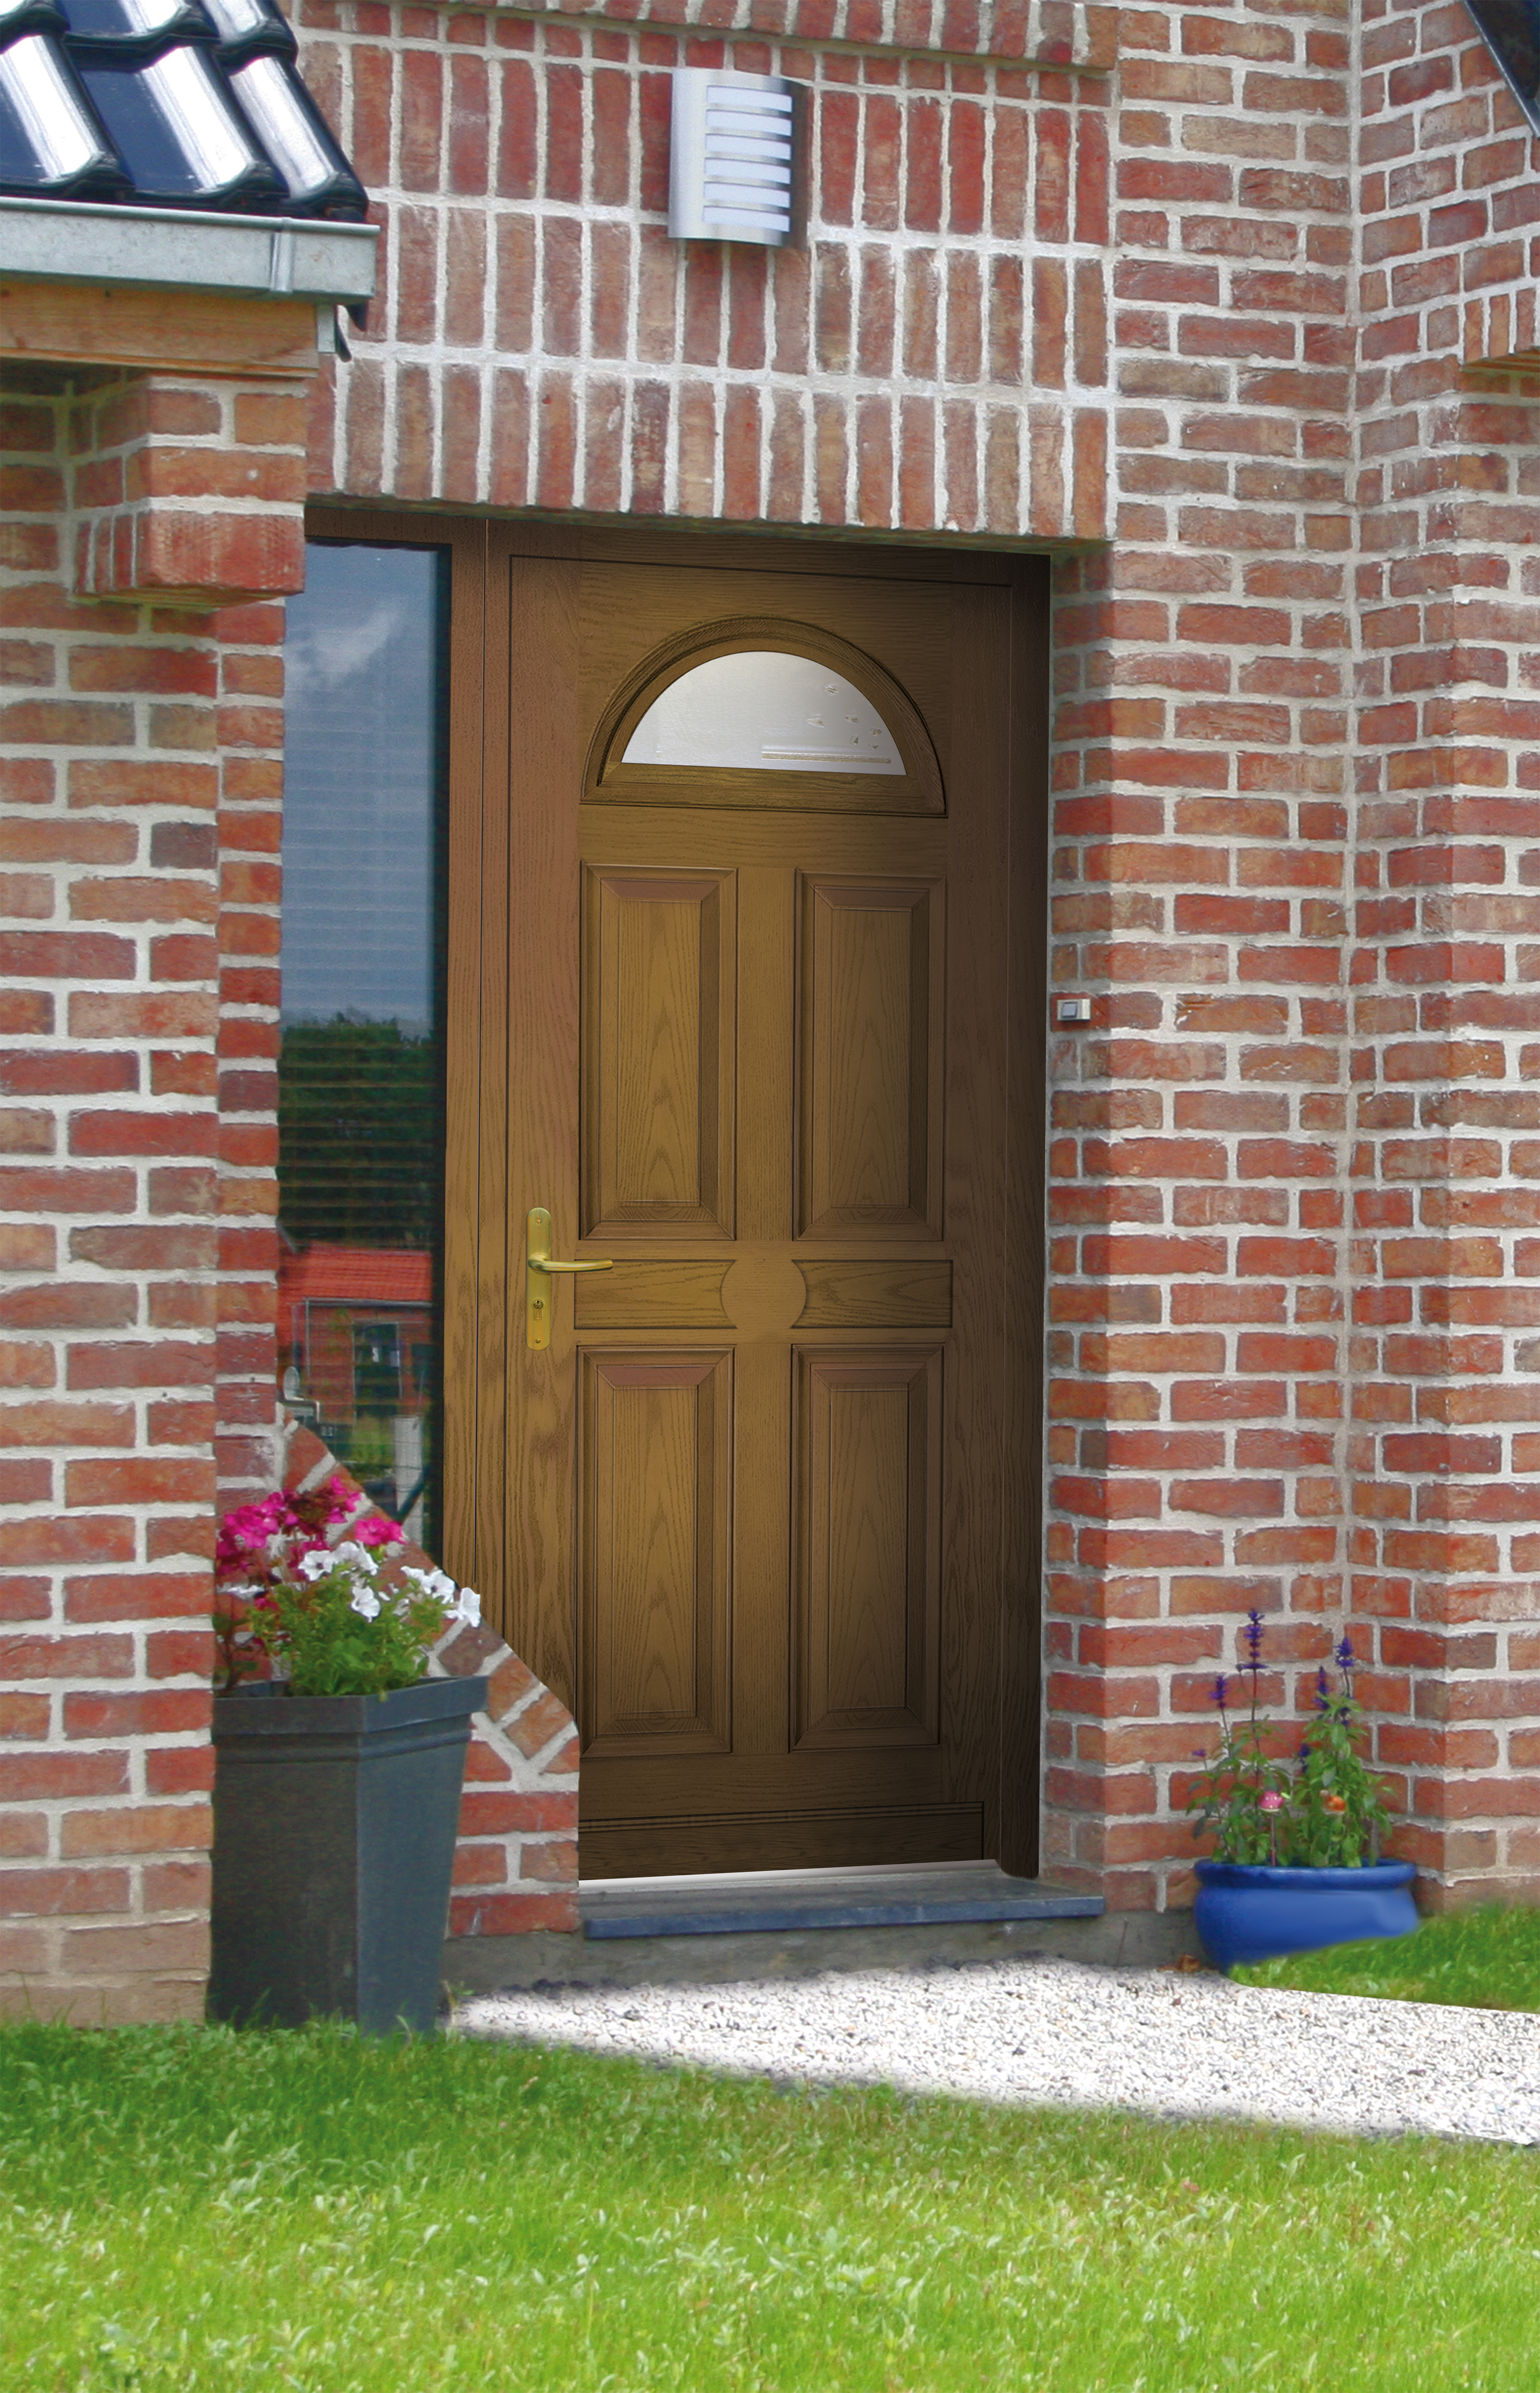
x=360, y=1061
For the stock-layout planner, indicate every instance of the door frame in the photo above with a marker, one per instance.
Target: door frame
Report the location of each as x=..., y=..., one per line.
x=482, y=1246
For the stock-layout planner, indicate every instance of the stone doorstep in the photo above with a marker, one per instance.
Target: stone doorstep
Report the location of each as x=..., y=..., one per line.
x=900, y=1895
x=1128, y=1940
x=1042, y=1922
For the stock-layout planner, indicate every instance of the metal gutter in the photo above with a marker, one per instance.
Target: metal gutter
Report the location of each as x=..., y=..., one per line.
x=187, y=249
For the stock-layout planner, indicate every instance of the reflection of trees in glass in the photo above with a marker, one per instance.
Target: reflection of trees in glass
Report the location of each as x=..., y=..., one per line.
x=357, y=1135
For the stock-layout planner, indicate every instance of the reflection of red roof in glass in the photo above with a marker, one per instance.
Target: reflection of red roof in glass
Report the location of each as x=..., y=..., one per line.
x=356, y=1275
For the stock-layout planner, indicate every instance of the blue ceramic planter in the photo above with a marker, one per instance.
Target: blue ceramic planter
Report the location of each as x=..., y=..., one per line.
x=1247, y=1911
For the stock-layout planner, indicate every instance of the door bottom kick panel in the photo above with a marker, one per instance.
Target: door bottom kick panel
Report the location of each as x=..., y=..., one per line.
x=801, y=1840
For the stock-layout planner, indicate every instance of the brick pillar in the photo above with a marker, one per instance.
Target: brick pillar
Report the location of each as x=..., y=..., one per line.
x=190, y=490
x=1446, y=1164
x=1197, y=1156
x=251, y=731
x=128, y=722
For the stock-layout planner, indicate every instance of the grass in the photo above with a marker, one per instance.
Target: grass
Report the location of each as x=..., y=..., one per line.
x=187, y=2211
x=1487, y=1960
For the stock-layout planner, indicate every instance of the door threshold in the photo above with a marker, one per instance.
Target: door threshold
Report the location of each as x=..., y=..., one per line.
x=910, y=1894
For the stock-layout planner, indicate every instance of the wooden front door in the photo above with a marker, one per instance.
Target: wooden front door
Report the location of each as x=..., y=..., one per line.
x=766, y=1496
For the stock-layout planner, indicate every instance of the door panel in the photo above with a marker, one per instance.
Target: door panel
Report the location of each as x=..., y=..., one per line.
x=872, y=1058
x=660, y=1052
x=659, y=1293
x=883, y=1294
x=868, y=1497
x=654, y=1569
x=767, y=1838
x=757, y=1061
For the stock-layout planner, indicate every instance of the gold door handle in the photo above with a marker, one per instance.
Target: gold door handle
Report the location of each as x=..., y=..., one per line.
x=539, y=1267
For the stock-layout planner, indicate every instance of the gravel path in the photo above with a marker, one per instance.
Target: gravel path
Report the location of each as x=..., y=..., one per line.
x=1059, y=2032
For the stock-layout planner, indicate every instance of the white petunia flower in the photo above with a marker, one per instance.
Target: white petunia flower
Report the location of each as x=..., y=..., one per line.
x=365, y=1603
x=355, y=1557
x=435, y=1584
x=315, y=1564
x=469, y=1606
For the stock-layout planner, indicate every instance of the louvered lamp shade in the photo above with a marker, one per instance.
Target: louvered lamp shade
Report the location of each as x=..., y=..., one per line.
x=732, y=157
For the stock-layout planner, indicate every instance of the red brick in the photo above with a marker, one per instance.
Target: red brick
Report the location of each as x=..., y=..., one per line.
x=167, y=1712
x=512, y=1915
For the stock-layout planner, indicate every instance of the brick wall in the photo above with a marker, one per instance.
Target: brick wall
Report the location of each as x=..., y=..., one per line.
x=126, y=724
x=540, y=342
x=1199, y=326
x=1295, y=1173
x=250, y=829
x=1199, y=884
x=1257, y=365
x=1445, y=1454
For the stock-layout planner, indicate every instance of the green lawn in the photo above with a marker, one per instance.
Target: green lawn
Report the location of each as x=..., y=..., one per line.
x=197, y=2211
x=1487, y=1958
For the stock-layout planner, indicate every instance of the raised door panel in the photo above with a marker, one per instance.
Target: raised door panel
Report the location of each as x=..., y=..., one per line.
x=855, y=1292
x=851, y=1838
x=871, y=1058
x=654, y=1550
x=660, y=954
x=653, y=1293
x=868, y=1564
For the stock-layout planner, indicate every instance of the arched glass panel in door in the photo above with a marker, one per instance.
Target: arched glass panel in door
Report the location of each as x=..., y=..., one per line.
x=765, y=710
x=722, y=713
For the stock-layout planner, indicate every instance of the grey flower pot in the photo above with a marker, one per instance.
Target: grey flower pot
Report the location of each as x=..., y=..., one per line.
x=334, y=1825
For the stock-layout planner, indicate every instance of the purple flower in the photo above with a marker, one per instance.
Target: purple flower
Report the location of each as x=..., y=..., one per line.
x=1344, y=1655
x=1218, y=1694
x=1253, y=1636
x=1322, y=1693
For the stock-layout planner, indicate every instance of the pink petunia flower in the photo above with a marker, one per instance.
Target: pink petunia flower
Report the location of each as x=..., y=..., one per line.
x=376, y=1530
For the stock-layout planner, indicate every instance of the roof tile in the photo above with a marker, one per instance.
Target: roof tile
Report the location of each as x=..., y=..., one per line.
x=165, y=103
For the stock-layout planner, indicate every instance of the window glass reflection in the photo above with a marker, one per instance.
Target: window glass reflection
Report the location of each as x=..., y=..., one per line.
x=763, y=711
x=361, y=1074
